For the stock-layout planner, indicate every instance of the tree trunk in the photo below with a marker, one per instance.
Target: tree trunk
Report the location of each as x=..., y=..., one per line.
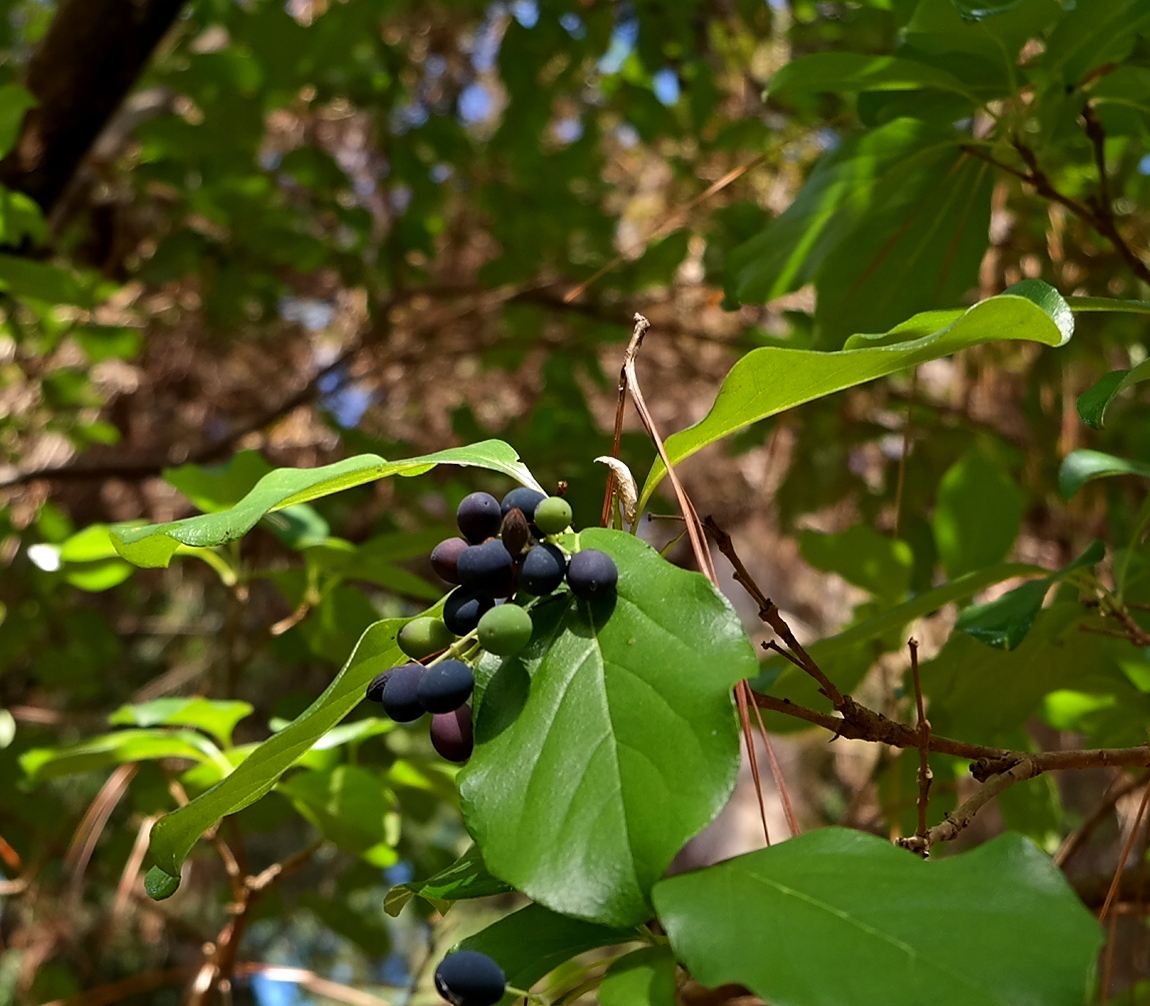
x=91, y=55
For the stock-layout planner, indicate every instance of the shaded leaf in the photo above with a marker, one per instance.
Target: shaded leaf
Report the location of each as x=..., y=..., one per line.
x=529, y=943
x=643, y=978
x=977, y=516
x=766, y=919
x=849, y=71
x=467, y=877
x=14, y=103
x=611, y=740
x=348, y=804
x=1093, y=403
x=1082, y=466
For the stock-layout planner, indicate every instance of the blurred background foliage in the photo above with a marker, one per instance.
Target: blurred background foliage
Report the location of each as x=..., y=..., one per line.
x=309, y=229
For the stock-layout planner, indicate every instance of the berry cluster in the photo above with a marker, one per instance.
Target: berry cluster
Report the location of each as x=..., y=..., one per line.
x=504, y=556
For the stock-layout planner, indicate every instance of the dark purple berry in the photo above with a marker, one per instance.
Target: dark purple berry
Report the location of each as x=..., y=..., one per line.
x=445, y=686
x=451, y=734
x=486, y=568
x=400, y=693
x=375, y=689
x=523, y=499
x=478, y=517
x=592, y=574
x=469, y=978
x=463, y=608
x=543, y=569
x=444, y=556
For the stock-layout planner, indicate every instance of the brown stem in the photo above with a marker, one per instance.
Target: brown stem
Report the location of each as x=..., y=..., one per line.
x=922, y=728
x=1077, y=840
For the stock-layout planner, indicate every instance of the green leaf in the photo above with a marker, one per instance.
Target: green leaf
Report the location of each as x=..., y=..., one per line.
x=51, y=284
x=299, y=526
x=466, y=878
x=217, y=717
x=643, y=978
x=848, y=71
x=913, y=932
x=14, y=103
x=115, y=749
x=529, y=943
x=1093, y=403
x=860, y=555
x=158, y=885
x=840, y=655
x=217, y=487
x=1082, y=466
x=771, y=380
x=175, y=834
x=791, y=250
x=977, y=516
x=106, y=342
x=611, y=740
x=348, y=804
x=1107, y=305
x=154, y=544
x=1005, y=621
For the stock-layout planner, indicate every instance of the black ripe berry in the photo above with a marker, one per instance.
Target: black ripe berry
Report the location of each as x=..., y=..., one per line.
x=400, y=700
x=486, y=568
x=444, y=557
x=445, y=686
x=542, y=570
x=592, y=574
x=469, y=978
x=375, y=689
x=523, y=499
x=463, y=608
x=478, y=517
x=451, y=734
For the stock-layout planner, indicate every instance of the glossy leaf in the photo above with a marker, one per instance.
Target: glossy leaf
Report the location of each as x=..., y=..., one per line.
x=643, y=978
x=1093, y=403
x=529, y=943
x=153, y=545
x=912, y=931
x=158, y=885
x=977, y=516
x=467, y=877
x=175, y=834
x=1082, y=466
x=771, y=380
x=217, y=717
x=611, y=740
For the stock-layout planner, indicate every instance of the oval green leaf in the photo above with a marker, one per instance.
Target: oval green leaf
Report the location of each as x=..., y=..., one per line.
x=611, y=740
x=154, y=544
x=1093, y=403
x=996, y=926
x=1082, y=466
x=176, y=833
x=771, y=380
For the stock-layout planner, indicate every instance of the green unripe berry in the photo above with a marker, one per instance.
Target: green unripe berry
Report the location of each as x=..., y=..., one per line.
x=553, y=515
x=505, y=630
x=422, y=637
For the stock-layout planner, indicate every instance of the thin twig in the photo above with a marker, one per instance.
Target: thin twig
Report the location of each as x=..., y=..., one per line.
x=1077, y=840
x=954, y=823
x=1127, y=846
x=922, y=727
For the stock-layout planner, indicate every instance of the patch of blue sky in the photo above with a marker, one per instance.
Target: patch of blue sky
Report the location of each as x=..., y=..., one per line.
x=665, y=84
x=272, y=992
x=568, y=130
x=1144, y=165
x=573, y=24
x=624, y=37
x=526, y=12
x=474, y=103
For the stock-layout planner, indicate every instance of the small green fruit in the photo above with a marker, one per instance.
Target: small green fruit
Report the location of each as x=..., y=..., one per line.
x=424, y=636
x=553, y=515
x=505, y=630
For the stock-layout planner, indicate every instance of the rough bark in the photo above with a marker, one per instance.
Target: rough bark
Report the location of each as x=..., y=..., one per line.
x=92, y=54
